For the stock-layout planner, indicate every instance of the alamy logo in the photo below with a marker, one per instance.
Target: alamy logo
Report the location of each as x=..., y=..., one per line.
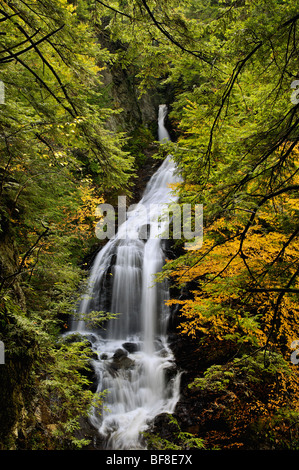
x=295, y=94
x=2, y=92
x=2, y=353
x=164, y=221
x=295, y=354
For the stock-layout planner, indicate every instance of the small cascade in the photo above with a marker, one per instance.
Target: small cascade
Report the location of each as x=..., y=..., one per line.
x=162, y=131
x=135, y=365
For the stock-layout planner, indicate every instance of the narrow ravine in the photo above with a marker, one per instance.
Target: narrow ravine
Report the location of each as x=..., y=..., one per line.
x=135, y=364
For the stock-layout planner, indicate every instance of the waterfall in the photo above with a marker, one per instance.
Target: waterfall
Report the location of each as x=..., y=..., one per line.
x=135, y=364
x=162, y=131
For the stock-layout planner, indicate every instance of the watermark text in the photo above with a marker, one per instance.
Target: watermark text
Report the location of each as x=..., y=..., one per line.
x=2, y=92
x=152, y=221
x=2, y=353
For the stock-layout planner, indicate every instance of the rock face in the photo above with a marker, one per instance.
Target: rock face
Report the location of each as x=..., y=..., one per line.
x=121, y=92
x=120, y=87
x=123, y=88
x=120, y=360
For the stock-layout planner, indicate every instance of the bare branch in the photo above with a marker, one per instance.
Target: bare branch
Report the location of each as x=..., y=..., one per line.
x=13, y=56
x=196, y=54
x=28, y=253
x=115, y=10
x=263, y=201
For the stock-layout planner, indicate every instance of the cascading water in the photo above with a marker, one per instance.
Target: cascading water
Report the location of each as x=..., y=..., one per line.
x=134, y=357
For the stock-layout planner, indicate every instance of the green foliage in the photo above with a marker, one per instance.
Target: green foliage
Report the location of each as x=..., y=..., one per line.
x=248, y=370
x=61, y=383
x=59, y=374
x=138, y=142
x=179, y=440
x=95, y=319
x=58, y=159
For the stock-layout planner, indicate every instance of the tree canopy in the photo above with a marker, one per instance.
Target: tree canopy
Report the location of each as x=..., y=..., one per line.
x=59, y=159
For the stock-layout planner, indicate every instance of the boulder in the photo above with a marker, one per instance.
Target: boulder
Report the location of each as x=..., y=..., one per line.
x=131, y=347
x=120, y=360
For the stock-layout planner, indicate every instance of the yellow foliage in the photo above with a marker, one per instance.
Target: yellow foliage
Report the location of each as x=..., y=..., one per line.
x=83, y=222
x=224, y=274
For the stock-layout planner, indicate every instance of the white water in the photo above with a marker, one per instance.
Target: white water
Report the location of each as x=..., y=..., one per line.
x=121, y=281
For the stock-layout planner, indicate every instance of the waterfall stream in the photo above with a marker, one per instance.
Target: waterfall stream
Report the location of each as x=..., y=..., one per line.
x=135, y=364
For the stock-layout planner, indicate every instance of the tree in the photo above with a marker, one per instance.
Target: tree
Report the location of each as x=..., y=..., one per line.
x=58, y=159
x=238, y=152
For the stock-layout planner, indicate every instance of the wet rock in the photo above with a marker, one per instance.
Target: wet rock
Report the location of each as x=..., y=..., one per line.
x=131, y=347
x=92, y=338
x=163, y=352
x=119, y=354
x=171, y=372
x=164, y=427
x=91, y=434
x=79, y=338
x=158, y=345
x=120, y=360
x=75, y=337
